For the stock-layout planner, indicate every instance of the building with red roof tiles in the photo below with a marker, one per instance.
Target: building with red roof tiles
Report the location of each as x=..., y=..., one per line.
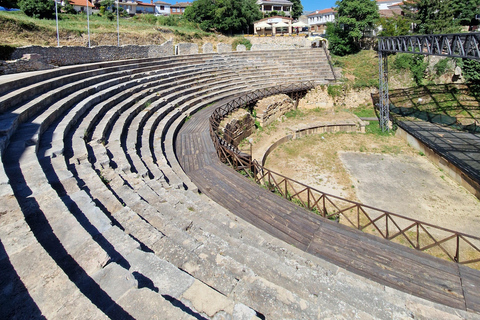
x=80, y=5
x=179, y=7
x=318, y=19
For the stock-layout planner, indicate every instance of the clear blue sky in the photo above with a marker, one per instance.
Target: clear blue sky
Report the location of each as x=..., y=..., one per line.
x=311, y=5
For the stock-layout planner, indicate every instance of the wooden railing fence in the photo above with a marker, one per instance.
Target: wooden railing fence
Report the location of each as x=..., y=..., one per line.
x=448, y=244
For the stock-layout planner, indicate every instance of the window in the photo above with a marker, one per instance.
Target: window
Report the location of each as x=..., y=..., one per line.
x=162, y=8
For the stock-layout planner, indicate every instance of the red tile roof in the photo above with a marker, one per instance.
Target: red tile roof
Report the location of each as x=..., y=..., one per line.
x=328, y=10
x=145, y=4
x=81, y=3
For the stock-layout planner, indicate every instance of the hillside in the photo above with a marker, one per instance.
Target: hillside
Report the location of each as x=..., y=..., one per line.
x=16, y=29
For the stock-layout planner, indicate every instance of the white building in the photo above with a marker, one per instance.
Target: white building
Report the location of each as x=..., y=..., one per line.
x=318, y=19
x=268, y=6
x=162, y=8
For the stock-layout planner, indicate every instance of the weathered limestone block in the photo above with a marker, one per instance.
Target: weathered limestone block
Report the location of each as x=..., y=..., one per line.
x=236, y=127
x=28, y=62
x=241, y=47
x=186, y=48
x=271, y=108
x=223, y=48
x=207, y=48
x=32, y=58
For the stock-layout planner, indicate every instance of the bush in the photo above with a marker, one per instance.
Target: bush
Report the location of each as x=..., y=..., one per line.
x=241, y=40
x=413, y=62
x=170, y=21
x=334, y=91
x=41, y=9
x=470, y=70
x=6, y=52
x=110, y=16
x=148, y=18
x=441, y=67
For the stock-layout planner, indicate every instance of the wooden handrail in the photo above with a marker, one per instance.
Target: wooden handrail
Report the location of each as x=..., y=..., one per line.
x=388, y=225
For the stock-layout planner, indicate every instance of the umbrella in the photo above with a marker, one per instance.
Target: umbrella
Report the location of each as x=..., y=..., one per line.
x=263, y=25
x=281, y=25
x=299, y=24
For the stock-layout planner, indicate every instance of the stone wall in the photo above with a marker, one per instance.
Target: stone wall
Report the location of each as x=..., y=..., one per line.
x=237, y=126
x=186, y=48
x=33, y=58
x=29, y=62
x=224, y=48
x=241, y=47
x=64, y=56
x=279, y=43
x=207, y=48
x=271, y=108
x=40, y=58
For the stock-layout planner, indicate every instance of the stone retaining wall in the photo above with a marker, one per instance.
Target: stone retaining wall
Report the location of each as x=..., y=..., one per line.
x=279, y=43
x=33, y=58
x=186, y=48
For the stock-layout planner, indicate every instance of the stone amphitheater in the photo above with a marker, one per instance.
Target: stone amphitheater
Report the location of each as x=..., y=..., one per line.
x=98, y=220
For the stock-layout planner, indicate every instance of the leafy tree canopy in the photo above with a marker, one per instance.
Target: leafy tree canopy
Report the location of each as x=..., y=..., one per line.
x=394, y=26
x=226, y=16
x=464, y=11
x=354, y=18
x=42, y=9
x=297, y=9
x=433, y=16
x=9, y=3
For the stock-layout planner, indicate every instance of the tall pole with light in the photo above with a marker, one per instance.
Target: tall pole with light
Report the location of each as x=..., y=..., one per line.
x=118, y=27
x=56, y=19
x=88, y=25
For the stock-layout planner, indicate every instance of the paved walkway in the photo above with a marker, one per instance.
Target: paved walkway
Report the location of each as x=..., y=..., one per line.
x=377, y=259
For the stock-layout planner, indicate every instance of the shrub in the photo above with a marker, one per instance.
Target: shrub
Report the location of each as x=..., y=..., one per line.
x=413, y=62
x=41, y=9
x=241, y=40
x=441, y=66
x=334, y=91
x=110, y=16
x=6, y=52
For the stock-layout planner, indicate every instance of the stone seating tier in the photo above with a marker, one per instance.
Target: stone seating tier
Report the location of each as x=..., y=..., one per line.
x=97, y=203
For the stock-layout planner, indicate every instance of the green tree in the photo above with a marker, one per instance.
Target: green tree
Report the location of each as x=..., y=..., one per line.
x=354, y=19
x=41, y=9
x=297, y=9
x=68, y=8
x=9, y=3
x=394, y=26
x=464, y=11
x=226, y=16
x=431, y=16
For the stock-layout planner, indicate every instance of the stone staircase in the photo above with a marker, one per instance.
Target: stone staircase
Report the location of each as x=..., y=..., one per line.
x=99, y=221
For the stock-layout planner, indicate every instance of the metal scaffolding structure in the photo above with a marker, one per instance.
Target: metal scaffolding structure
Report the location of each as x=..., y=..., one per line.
x=461, y=45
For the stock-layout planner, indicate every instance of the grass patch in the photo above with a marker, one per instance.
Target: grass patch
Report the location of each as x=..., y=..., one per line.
x=18, y=29
x=295, y=113
x=365, y=111
x=360, y=70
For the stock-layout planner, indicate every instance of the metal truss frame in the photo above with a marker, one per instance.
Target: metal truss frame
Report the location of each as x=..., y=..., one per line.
x=459, y=45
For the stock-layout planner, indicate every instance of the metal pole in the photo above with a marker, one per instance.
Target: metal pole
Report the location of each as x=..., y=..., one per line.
x=56, y=20
x=118, y=27
x=88, y=25
x=383, y=103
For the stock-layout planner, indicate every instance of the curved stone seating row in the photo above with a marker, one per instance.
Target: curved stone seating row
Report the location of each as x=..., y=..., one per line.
x=96, y=205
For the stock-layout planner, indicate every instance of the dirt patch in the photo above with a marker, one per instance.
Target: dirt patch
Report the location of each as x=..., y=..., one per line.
x=412, y=186
x=378, y=170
